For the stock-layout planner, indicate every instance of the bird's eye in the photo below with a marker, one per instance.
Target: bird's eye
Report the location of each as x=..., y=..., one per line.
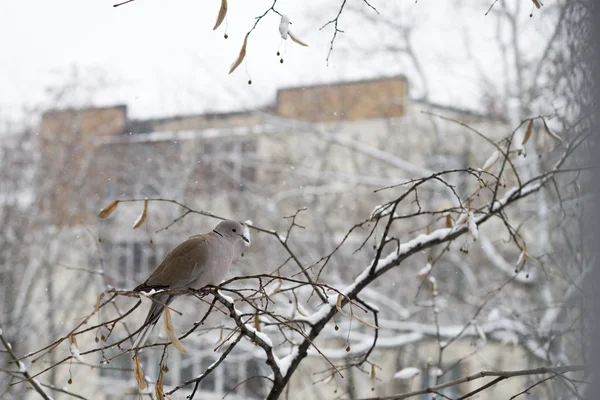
x=233, y=230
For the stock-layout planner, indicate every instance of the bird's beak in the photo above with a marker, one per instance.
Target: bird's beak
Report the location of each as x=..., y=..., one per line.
x=245, y=239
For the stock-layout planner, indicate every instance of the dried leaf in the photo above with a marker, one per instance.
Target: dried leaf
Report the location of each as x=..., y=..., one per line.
x=577, y=189
x=74, y=349
x=106, y=211
x=550, y=133
x=491, y=161
x=159, y=389
x=301, y=310
x=138, y=372
x=295, y=39
x=372, y=374
x=362, y=321
x=142, y=217
x=257, y=322
x=98, y=300
x=479, y=331
x=528, y=132
x=473, y=226
x=537, y=3
x=277, y=286
x=449, y=221
x=522, y=257
x=338, y=305
x=424, y=271
x=241, y=56
x=222, y=14
x=427, y=230
x=433, y=283
x=171, y=332
x=220, y=336
x=326, y=381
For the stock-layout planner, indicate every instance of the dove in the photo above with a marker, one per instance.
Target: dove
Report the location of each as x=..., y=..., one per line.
x=200, y=261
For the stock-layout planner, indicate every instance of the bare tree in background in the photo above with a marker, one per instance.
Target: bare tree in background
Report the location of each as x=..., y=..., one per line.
x=36, y=223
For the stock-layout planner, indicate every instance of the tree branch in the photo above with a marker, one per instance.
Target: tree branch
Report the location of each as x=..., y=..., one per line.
x=500, y=374
x=36, y=385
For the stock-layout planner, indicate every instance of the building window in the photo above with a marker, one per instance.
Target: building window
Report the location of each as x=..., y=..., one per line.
x=131, y=261
x=255, y=384
x=232, y=161
x=438, y=195
x=115, y=377
x=109, y=191
x=239, y=375
x=428, y=380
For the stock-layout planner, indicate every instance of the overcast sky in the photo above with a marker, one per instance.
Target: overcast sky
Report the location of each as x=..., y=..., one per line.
x=161, y=57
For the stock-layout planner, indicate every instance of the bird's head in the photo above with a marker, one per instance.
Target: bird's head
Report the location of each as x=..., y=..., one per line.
x=231, y=230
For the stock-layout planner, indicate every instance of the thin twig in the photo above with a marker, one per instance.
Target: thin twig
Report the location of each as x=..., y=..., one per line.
x=33, y=382
x=483, y=374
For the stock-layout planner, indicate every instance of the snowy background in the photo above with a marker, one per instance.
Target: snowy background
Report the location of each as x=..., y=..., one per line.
x=163, y=58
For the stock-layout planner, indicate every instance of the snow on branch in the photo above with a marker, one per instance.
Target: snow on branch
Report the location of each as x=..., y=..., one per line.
x=501, y=375
x=497, y=260
x=401, y=333
x=196, y=381
x=401, y=251
x=22, y=370
x=259, y=338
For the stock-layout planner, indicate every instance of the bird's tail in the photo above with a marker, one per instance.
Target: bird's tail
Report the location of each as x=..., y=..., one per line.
x=159, y=301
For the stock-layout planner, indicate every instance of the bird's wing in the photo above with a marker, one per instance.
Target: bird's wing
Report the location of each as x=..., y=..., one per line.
x=181, y=266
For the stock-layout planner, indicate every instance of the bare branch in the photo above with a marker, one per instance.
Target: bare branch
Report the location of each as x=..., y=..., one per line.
x=33, y=382
x=500, y=374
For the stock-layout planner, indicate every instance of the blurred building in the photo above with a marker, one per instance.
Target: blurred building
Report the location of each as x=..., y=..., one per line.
x=324, y=147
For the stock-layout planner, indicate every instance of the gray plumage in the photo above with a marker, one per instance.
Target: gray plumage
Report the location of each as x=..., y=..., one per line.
x=200, y=261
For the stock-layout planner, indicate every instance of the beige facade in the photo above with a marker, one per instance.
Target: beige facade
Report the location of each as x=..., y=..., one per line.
x=348, y=101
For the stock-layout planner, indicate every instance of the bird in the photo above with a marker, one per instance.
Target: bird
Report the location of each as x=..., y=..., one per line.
x=200, y=261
